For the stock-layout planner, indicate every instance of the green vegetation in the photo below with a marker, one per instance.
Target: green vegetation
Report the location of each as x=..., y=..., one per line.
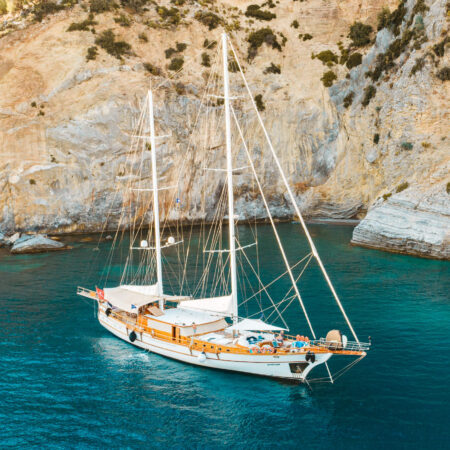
x=169, y=52
x=402, y=187
x=360, y=34
x=369, y=93
x=179, y=47
x=383, y=18
x=3, y=7
x=209, y=44
x=448, y=187
x=418, y=66
x=386, y=196
x=328, y=78
x=143, y=37
x=439, y=48
x=206, y=60
x=45, y=8
x=33, y=105
x=84, y=25
x=32, y=181
x=208, y=19
x=258, y=38
x=170, y=16
x=273, y=68
x=393, y=20
x=376, y=138
x=406, y=145
x=259, y=102
x=444, y=74
x=107, y=41
x=92, y=53
x=327, y=57
x=258, y=13
x=176, y=64
x=123, y=20
x=100, y=6
x=295, y=24
x=348, y=99
x=306, y=37
x=426, y=145
x=149, y=67
x=233, y=66
x=355, y=59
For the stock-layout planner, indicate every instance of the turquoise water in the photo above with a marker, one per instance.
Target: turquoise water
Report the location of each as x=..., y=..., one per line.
x=66, y=382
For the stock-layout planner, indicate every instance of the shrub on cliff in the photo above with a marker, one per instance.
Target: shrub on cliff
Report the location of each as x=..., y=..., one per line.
x=258, y=13
x=176, y=64
x=295, y=24
x=354, y=60
x=123, y=20
x=402, y=187
x=273, y=68
x=328, y=78
x=108, y=42
x=3, y=7
x=170, y=16
x=259, y=102
x=348, y=99
x=84, y=25
x=444, y=74
x=258, y=38
x=383, y=18
x=99, y=6
x=439, y=48
x=208, y=19
x=45, y=8
x=91, y=53
x=376, y=138
x=206, y=60
x=406, y=145
x=360, y=34
x=327, y=57
x=369, y=93
x=149, y=67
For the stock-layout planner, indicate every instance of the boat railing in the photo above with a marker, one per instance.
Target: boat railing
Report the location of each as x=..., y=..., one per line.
x=86, y=292
x=334, y=345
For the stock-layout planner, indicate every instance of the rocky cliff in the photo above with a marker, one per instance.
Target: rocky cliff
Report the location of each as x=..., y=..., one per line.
x=68, y=106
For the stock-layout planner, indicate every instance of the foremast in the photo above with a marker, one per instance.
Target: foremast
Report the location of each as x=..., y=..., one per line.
x=232, y=235
x=155, y=201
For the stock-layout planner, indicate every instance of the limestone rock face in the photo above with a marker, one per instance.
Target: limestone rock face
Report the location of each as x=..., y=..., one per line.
x=65, y=122
x=35, y=244
x=413, y=221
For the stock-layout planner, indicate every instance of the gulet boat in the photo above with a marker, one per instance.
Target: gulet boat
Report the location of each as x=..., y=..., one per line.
x=211, y=330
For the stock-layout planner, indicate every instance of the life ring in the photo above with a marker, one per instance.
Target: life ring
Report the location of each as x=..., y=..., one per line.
x=132, y=336
x=108, y=312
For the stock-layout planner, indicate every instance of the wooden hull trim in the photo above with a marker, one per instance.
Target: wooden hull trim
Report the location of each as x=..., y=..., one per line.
x=287, y=366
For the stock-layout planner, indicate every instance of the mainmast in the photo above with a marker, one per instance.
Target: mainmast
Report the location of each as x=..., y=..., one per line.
x=232, y=235
x=155, y=201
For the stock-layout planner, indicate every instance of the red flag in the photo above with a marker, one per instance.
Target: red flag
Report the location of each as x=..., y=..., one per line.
x=100, y=293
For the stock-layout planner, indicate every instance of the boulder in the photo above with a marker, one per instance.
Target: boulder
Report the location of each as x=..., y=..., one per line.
x=12, y=239
x=36, y=244
x=2, y=240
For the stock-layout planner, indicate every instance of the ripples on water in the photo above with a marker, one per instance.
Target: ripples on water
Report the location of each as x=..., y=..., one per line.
x=66, y=382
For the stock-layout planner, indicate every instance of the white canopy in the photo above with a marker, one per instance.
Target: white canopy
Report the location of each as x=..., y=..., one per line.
x=254, y=325
x=220, y=305
x=130, y=298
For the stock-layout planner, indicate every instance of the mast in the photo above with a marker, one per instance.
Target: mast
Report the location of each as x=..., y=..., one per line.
x=232, y=236
x=155, y=200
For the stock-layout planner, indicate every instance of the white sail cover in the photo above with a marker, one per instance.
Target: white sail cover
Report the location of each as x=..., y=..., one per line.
x=130, y=298
x=254, y=325
x=220, y=305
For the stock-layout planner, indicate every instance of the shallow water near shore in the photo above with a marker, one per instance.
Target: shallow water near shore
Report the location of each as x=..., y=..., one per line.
x=67, y=382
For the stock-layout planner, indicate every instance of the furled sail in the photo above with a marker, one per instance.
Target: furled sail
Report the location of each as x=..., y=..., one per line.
x=132, y=297
x=220, y=305
x=254, y=325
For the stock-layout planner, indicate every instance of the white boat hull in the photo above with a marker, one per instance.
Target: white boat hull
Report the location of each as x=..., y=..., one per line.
x=289, y=366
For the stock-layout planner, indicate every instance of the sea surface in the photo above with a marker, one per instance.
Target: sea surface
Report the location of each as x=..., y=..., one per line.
x=65, y=382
